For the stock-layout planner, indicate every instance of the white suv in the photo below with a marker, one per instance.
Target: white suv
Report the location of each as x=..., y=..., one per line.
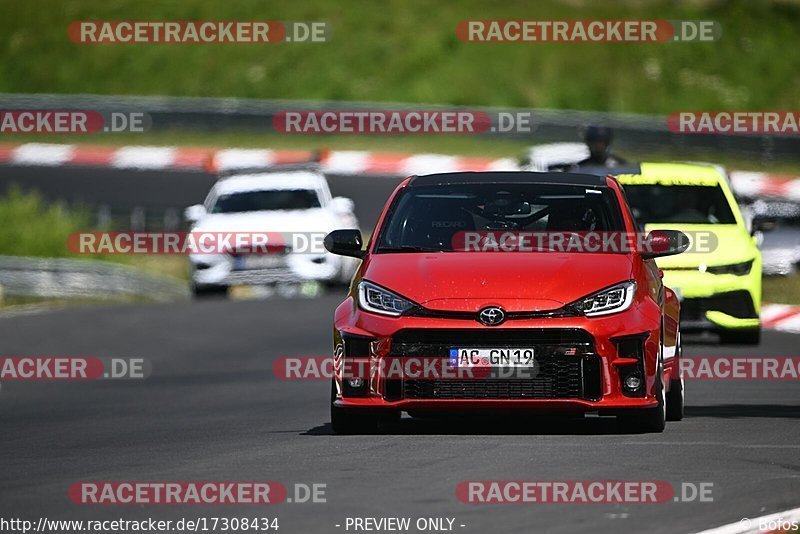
x=292, y=200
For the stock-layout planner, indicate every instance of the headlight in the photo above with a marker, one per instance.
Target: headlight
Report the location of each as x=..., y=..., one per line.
x=376, y=299
x=739, y=269
x=612, y=300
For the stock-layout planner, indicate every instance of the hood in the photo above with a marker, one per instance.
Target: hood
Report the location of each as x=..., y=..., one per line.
x=312, y=220
x=728, y=244
x=468, y=281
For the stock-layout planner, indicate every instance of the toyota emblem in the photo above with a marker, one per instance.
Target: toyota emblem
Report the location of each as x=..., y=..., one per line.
x=492, y=316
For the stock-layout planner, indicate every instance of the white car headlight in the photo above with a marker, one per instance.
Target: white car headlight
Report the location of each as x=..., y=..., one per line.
x=612, y=300
x=376, y=299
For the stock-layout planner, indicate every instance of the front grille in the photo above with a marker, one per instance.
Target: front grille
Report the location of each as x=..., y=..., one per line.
x=735, y=303
x=261, y=276
x=420, y=311
x=558, y=376
x=437, y=342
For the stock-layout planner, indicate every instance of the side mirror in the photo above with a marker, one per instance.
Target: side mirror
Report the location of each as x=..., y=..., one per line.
x=345, y=243
x=342, y=205
x=194, y=213
x=659, y=243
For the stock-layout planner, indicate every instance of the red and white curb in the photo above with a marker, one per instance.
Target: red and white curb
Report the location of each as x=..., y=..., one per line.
x=783, y=317
x=155, y=157
x=746, y=183
x=777, y=522
x=761, y=184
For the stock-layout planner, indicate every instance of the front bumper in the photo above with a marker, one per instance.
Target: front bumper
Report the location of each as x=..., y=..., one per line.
x=717, y=302
x=581, y=362
x=232, y=270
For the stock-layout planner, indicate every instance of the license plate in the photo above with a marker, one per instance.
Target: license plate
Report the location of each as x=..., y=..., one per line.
x=244, y=263
x=497, y=357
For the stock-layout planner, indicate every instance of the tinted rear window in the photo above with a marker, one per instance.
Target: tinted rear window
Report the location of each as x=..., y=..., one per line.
x=290, y=199
x=684, y=204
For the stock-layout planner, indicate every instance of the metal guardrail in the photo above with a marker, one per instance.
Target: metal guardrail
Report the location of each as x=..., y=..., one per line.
x=633, y=131
x=70, y=278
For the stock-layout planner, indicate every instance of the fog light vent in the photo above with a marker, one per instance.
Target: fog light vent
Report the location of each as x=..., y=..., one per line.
x=633, y=382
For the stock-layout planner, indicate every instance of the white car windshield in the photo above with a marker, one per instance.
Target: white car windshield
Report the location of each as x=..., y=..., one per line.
x=268, y=200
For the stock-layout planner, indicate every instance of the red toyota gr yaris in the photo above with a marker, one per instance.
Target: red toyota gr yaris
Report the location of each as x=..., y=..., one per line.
x=546, y=328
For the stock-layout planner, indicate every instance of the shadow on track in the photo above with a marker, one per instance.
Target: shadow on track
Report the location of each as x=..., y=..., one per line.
x=476, y=426
x=735, y=411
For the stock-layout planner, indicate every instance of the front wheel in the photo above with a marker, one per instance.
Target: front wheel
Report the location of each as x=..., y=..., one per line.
x=675, y=396
x=649, y=419
x=749, y=336
x=349, y=421
x=675, y=400
x=206, y=291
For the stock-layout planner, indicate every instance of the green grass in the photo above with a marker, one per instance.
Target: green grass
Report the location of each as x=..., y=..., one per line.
x=34, y=227
x=407, y=51
x=781, y=289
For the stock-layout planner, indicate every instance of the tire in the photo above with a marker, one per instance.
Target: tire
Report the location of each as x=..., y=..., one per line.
x=750, y=336
x=675, y=396
x=675, y=400
x=206, y=291
x=649, y=419
x=347, y=421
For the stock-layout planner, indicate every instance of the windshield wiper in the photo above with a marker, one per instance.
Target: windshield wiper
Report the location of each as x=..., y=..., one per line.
x=407, y=248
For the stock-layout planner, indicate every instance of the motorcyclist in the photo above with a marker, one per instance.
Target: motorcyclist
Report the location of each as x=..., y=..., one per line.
x=598, y=139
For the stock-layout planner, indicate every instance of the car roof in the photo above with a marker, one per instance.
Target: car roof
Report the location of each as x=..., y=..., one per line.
x=602, y=170
x=673, y=174
x=261, y=181
x=521, y=177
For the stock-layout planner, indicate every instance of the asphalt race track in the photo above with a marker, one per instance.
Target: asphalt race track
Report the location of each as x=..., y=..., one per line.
x=124, y=189
x=213, y=410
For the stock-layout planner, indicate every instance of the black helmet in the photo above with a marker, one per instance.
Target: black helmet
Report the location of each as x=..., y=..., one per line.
x=598, y=133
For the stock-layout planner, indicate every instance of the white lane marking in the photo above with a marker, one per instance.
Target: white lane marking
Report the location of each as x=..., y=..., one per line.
x=42, y=154
x=144, y=157
x=782, y=317
x=748, y=183
x=347, y=161
x=504, y=164
x=238, y=158
x=429, y=163
x=748, y=525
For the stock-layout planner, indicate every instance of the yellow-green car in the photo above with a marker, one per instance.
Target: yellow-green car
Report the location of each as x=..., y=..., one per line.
x=719, y=278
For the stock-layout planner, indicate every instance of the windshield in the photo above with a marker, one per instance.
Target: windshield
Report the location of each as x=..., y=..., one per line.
x=687, y=204
x=289, y=199
x=428, y=218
